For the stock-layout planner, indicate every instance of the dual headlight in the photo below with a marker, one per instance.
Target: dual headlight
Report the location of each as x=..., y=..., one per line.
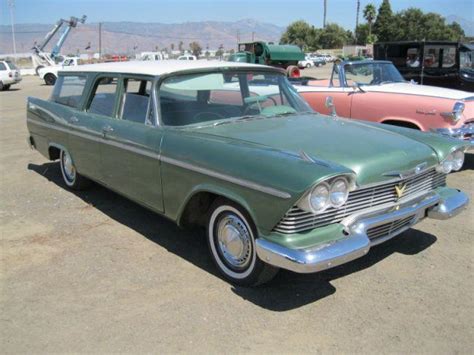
x=330, y=193
x=453, y=162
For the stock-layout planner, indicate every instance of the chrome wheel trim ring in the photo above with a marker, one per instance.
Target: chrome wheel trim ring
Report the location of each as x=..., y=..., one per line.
x=250, y=264
x=233, y=241
x=67, y=168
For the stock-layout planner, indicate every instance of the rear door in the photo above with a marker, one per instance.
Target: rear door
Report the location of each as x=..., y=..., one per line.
x=85, y=138
x=131, y=147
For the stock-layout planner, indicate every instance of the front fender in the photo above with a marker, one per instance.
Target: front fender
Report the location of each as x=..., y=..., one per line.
x=265, y=181
x=442, y=145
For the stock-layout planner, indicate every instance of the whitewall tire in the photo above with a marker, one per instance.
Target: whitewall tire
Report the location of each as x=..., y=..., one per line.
x=231, y=241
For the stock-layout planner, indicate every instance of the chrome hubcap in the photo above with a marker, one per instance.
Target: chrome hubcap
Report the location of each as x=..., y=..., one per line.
x=69, y=169
x=234, y=241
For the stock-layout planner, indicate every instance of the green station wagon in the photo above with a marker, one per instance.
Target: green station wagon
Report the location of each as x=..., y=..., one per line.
x=234, y=148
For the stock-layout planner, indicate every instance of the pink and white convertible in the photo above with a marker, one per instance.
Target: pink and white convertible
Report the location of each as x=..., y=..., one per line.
x=375, y=91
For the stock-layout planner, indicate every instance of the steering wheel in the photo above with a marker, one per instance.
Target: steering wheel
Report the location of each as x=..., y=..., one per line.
x=207, y=115
x=256, y=100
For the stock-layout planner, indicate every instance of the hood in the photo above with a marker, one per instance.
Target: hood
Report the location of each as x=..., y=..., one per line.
x=422, y=90
x=368, y=150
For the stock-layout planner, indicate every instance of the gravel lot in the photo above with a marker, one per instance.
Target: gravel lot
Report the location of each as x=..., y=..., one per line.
x=94, y=272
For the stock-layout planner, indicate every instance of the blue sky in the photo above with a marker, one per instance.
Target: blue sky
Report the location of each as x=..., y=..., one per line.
x=175, y=11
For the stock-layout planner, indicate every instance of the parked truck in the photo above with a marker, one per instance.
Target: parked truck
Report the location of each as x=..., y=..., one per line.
x=284, y=56
x=436, y=63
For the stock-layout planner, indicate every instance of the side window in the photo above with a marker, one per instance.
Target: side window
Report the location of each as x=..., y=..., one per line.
x=136, y=102
x=68, y=90
x=413, y=58
x=449, y=56
x=431, y=59
x=3, y=66
x=103, y=98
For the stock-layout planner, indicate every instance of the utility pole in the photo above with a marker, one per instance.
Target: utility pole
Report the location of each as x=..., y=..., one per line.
x=253, y=36
x=11, y=4
x=357, y=21
x=100, y=40
x=238, y=37
x=325, y=13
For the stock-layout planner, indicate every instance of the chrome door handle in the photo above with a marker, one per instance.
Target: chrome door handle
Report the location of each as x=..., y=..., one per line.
x=107, y=129
x=73, y=119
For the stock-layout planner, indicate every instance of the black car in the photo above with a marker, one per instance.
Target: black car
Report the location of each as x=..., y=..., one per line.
x=437, y=63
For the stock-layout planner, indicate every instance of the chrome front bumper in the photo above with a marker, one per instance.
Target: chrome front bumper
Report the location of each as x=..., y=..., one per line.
x=357, y=242
x=465, y=133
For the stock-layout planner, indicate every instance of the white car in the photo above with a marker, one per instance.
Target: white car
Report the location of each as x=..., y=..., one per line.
x=50, y=74
x=187, y=57
x=306, y=63
x=9, y=75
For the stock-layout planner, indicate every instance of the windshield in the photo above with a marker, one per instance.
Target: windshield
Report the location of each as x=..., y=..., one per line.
x=11, y=65
x=371, y=74
x=225, y=96
x=466, y=60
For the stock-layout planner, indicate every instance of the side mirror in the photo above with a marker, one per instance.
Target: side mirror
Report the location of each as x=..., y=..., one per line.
x=330, y=105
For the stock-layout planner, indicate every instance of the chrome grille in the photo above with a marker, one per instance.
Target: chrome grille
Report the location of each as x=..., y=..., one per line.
x=296, y=220
x=387, y=229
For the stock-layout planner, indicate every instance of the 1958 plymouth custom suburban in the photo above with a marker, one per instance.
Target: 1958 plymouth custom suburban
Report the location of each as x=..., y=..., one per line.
x=233, y=147
x=374, y=90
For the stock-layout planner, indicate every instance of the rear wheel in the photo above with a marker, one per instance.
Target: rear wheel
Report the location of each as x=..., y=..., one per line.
x=1, y=86
x=231, y=240
x=50, y=79
x=6, y=87
x=71, y=177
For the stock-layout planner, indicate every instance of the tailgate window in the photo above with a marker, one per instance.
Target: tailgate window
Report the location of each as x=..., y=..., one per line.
x=68, y=90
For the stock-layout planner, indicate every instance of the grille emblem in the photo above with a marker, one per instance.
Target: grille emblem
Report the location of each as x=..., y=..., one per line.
x=400, y=190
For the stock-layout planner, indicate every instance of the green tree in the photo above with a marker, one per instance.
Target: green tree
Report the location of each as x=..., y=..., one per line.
x=369, y=14
x=195, y=48
x=384, y=26
x=414, y=25
x=362, y=34
x=333, y=36
x=301, y=34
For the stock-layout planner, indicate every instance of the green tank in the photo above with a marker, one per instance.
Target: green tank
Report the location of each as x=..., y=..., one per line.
x=277, y=55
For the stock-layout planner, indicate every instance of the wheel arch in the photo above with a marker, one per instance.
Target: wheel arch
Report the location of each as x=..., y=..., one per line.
x=401, y=122
x=200, y=200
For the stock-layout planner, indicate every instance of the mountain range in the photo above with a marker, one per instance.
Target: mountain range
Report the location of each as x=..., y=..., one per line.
x=129, y=37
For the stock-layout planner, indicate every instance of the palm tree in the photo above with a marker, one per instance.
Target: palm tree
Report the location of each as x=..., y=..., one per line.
x=369, y=14
x=325, y=12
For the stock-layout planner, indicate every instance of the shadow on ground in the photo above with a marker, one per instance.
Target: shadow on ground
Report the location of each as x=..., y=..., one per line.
x=287, y=291
x=468, y=162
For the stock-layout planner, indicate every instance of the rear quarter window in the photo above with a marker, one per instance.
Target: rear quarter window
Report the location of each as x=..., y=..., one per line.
x=68, y=90
x=3, y=66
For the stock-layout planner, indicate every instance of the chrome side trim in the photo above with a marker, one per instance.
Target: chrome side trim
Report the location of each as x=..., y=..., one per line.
x=188, y=166
x=225, y=177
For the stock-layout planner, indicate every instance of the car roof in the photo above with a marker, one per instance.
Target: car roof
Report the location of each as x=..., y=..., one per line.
x=161, y=67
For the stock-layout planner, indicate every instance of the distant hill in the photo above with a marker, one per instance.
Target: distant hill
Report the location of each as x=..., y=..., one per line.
x=122, y=37
x=467, y=25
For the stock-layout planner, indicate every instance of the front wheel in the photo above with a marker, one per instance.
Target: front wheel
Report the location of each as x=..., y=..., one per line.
x=50, y=79
x=71, y=177
x=231, y=240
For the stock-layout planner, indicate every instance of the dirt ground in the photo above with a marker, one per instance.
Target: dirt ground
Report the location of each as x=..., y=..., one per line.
x=94, y=272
